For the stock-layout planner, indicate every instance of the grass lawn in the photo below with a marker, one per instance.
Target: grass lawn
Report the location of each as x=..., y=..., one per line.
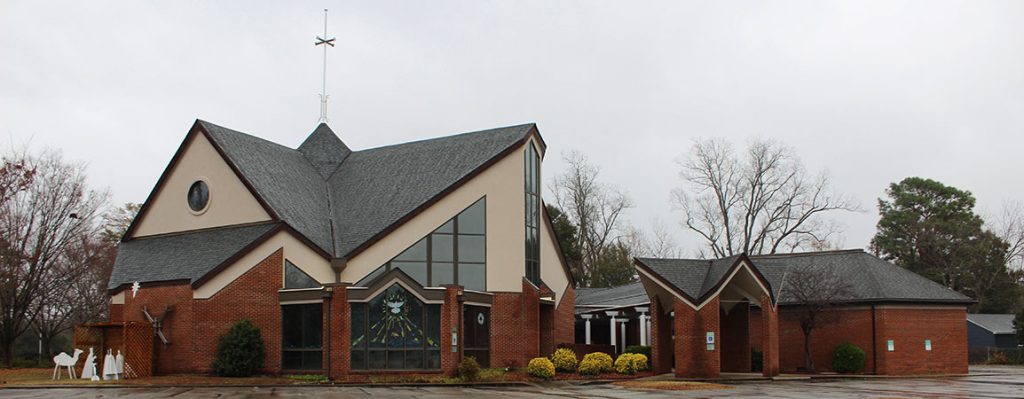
x=671, y=385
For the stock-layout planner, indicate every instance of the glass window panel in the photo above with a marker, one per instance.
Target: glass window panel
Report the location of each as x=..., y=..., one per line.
x=365, y=281
x=312, y=360
x=291, y=360
x=312, y=326
x=471, y=248
x=433, y=359
x=447, y=227
x=377, y=359
x=471, y=220
x=358, y=360
x=472, y=276
x=358, y=329
x=433, y=326
x=417, y=252
x=291, y=334
x=414, y=359
x=376, y=322
x=416, y=270
x=295, y=278
x=413, y=323
x=442, y=247
x=396, y=359
x=442, y=273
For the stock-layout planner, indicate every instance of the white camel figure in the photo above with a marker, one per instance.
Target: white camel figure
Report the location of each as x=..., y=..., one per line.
x=64, y=360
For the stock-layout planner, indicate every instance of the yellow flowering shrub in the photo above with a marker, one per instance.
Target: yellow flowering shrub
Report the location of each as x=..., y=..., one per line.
x=596, y=363
x=541, y=367
x=564, y=360
x=630, y=363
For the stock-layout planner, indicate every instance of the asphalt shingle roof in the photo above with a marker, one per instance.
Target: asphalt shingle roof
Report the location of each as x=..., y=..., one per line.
x=869, y=278
x=996, y=323
x=180, y=257
x=589, y=299
x=337, y=198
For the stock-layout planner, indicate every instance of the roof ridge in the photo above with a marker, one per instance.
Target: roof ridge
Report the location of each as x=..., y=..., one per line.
x=258, y=138
x=530, y=124
x=807, y=253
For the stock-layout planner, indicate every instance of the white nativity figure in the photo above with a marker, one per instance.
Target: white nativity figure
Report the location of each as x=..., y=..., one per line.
x=89, y=370
x=109, y=366
x=119, y=364
x=68, y=362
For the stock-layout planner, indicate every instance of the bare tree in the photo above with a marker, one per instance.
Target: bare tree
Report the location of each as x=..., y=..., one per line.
x=37, y=225
x=762, y=202
x=815, y=292
x=1009, y=226
x=596, y=210
x=657, y=243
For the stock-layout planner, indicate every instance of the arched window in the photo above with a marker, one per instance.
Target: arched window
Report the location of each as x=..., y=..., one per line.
x=396, y=331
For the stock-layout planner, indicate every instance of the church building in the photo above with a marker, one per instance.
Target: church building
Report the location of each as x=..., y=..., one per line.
x=403, y=258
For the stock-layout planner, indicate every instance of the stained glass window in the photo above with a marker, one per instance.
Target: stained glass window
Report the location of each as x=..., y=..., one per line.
x=302, y=337
x=395, y=331
x=455, y=253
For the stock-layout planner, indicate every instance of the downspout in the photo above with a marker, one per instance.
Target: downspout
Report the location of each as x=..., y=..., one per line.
x=874, y=346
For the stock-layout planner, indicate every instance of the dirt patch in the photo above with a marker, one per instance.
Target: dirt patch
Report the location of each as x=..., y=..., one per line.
x=36, y=376
x=671, y=385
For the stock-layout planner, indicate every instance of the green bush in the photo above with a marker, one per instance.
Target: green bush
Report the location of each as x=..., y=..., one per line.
x=641, y=349
x=469, y=369
x=564, y=360
x=596, y=363
x=630, y=363
x=239, y=351
x=541, y=367
x=848, y=358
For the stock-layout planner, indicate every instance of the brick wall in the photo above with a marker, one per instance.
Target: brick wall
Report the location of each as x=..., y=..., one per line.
x=515, y=327
x=338, y=334
x=909, y=327
x=735, y=340
x=252, y=296
x=451, y=319
x=662, y=348
x=693, y=360
x=847, y=325
x=565, y=318
x=116, y=312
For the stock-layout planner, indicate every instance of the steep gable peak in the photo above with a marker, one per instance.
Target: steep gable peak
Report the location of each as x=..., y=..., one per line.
x=324, y=150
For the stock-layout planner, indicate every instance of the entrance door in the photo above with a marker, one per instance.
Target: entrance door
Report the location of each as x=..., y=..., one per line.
x=476, y=326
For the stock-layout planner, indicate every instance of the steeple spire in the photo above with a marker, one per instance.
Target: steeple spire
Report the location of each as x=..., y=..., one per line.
x=323, y=93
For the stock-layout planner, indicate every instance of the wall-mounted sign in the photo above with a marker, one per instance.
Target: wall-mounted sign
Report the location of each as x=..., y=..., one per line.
x=891, y=345
x=927, y=344
x=455, y=339
x=711, y=340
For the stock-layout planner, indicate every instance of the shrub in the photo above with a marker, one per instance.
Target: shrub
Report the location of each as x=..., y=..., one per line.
x=630, y=363
x=596, y=363
x=564, y=360
x=239, y=351
x=848, y=358
x=469, y=369
x=641, y=349
x=541, y=367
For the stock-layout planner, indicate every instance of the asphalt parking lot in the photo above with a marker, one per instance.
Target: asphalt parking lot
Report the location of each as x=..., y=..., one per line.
x=985, y=382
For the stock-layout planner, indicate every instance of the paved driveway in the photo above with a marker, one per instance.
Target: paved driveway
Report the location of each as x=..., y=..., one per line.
x=989, y=382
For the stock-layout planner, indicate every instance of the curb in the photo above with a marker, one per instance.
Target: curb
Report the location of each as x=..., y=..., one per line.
x=258, y=386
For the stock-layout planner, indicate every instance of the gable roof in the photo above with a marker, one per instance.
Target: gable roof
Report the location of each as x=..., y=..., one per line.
x=339, y=201
x=590, y=299
x=871, y=279
x=996, y=323
x=186, y=257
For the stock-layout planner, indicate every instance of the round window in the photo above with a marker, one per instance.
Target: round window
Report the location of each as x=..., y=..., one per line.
x=198, y=196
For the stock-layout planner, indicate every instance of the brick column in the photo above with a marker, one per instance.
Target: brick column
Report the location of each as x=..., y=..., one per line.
x=338, y=314
x=769, y=337
x=661, y=339
x=693, y=359
x=451, y=321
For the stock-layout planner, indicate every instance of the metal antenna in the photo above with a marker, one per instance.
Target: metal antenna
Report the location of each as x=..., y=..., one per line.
x=323, y=93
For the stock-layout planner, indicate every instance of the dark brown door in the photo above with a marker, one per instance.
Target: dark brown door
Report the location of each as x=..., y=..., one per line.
x=477, y=334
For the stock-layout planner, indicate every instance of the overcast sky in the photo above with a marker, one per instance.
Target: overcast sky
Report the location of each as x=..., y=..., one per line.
x=872, y=91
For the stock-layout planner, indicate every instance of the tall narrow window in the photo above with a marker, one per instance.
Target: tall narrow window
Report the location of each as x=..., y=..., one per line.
x=532, y=178
x=302, y=337
x=454, y=253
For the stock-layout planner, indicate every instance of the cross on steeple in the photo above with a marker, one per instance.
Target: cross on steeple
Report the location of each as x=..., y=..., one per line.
x=323, y=93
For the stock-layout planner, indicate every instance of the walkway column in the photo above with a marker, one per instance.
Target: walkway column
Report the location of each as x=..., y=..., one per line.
x=644, y=328
x=587, y=318
x=622, y=332
x=614, y=332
